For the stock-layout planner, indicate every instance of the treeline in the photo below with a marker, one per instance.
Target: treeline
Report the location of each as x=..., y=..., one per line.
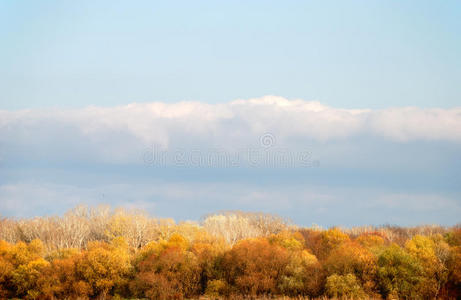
x=104, y=253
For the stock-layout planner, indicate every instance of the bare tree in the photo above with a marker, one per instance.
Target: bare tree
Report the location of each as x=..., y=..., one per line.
x=134, y=225
x=236, y=225
x=9, y=230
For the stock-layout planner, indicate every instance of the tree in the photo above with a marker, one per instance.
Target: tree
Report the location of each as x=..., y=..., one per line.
x=454, y=273
x=104, y=266
x=371, y=241
x=167, y=269
x=352, y=258
x=61, y=280
x=134, y=226
x=26, y=278
x=344, y=286
x=9, y=230
x=254, y=266
x=302, y=275
x=6, y=271
x=207, y=254
x=399, y=273
x=432, y=254
x=237, y=225
x=231, y=227
x=22, y=265
x=323, y=242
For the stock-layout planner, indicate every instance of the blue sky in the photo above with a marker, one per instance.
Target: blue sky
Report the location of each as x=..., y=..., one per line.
x=353, y=54
x=368, y=90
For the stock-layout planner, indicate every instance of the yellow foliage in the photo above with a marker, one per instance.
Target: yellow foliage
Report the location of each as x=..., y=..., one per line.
x=216, y=288
x=231, y=255
x=177, y=240
x=25, y=277
x=104, y=266
x=344, y=286
x=370, y=241
x=288, y=240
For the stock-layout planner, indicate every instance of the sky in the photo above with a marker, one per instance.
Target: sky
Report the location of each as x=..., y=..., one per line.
x=326, y=112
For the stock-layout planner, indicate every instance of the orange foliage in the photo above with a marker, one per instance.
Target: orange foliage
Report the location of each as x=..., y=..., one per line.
x=352, y=258
x=254, y=266
x=168, y=271
x=129, y=255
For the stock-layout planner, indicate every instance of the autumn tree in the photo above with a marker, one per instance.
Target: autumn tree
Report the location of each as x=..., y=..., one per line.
x=62, y=280
x=133, y=225
x=344, y=286
x=399, y=274
x=454, y=273
x=22, y=265
x=237, y=225
x=371, y=241
x=9, y=230
x=432, y=253
x=322, y=242
x=99, y=252
x=6, y=270
x=351, y=258
x=255, y=266
x=104, y=267
x=167, y=269
x=231, y=227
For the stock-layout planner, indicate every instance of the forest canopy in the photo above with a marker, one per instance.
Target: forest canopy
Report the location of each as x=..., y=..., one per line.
x=99, y=252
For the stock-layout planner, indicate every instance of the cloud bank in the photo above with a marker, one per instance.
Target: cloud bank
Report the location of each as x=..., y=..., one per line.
x=397, y=165
x=115, y=134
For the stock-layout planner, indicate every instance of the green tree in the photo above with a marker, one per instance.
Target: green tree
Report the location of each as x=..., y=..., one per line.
x=344, y=286
x=399, y=273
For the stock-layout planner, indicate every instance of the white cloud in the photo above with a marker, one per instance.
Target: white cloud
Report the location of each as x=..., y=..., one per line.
x=411, y=123
x=118, y=133
x=376, y=166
